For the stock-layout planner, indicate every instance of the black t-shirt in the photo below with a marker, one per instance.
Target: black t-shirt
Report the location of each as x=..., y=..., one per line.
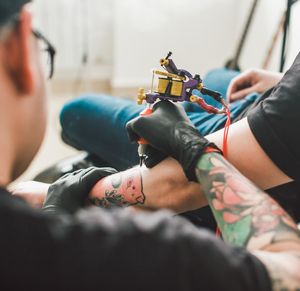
x=275, y=122
x=100, y=250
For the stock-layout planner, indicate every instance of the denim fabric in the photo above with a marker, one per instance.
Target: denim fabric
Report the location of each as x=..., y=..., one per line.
x=96, y=123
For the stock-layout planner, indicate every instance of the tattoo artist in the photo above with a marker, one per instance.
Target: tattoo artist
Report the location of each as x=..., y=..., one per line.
x=66, y=247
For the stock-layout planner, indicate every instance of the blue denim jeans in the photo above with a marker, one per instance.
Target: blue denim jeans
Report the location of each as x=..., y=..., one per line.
x=96, y=123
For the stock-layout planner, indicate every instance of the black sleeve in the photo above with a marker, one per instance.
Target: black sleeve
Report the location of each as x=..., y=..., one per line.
x=275, y=123
x=99, y=250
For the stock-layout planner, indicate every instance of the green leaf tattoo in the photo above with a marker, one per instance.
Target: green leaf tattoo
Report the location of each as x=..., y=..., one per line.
x=245, y=214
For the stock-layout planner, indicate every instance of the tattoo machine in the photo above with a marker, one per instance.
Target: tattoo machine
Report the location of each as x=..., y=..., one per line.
x=178, y=85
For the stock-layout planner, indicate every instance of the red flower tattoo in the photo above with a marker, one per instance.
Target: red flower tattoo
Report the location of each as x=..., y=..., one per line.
x=232, y=199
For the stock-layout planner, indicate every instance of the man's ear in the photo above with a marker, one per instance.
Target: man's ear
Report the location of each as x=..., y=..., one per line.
x=19, y=54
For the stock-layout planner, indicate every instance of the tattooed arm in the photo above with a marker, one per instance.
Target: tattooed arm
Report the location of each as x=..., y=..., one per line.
x=164, y=186
x=246, y=215
x=250, y=218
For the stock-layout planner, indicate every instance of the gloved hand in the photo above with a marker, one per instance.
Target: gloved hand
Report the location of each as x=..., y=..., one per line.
x=153, y=157
x=170, y=131
x=70, y=193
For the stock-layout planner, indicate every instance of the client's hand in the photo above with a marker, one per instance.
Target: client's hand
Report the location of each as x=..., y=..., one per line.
x=253, y=80
x=169, y=131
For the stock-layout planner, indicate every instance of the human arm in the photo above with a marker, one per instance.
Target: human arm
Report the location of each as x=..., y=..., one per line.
x=250, y=81
x=265, y=145
x=163, y=186
x=32, y=192
x=250, y=218
x=246, y=154
x=168, y=176
x=246, y=215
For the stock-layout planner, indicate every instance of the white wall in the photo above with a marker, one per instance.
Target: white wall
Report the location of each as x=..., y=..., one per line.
x=269, y=13
x=76, y=26
x=202, y=34
x=126, y=38
x=199, y=32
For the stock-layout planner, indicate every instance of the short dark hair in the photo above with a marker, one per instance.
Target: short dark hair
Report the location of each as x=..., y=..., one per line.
x=9, y=9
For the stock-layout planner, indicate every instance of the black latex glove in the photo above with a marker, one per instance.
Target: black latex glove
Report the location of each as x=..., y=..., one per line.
x=70, y=193
x=169, y=131
x=153, y=157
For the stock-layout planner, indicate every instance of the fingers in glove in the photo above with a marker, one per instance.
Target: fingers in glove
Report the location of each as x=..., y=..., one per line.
x=132, y=135
x=93, y=175
x=135, y=125
x=68, y=175
x=153, y=157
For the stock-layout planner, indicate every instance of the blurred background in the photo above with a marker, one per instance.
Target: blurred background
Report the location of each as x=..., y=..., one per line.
x=110, y=46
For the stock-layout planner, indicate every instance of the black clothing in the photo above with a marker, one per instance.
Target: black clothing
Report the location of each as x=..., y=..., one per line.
x=100, y=250
x=253, y=105
x=10, y=8
x=274, y=123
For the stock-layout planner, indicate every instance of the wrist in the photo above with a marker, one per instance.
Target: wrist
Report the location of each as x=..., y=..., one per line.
x=212, y=148
x=209, y=148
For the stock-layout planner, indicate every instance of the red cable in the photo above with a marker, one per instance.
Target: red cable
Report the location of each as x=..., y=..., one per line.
x=225, y=144
x=218, y=232
x=213, y=110
x=226, y=132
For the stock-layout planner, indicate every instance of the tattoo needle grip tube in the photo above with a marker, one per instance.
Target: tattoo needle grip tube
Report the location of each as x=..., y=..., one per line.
x=142, y=142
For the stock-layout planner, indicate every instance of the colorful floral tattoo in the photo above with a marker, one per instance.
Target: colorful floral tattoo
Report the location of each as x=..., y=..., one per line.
x=122, y=190
x=248, y=217
x=245, y=214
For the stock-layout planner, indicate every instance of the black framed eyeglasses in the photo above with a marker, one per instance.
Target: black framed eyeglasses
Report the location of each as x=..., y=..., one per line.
x=49, y=50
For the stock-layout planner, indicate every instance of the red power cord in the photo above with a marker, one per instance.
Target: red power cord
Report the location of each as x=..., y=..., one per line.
x=226, y=132
x=225, y=146
x=213, y=110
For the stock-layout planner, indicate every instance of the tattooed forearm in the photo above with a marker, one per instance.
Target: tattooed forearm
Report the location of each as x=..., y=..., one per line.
x=122, y=190
x=246, y=215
